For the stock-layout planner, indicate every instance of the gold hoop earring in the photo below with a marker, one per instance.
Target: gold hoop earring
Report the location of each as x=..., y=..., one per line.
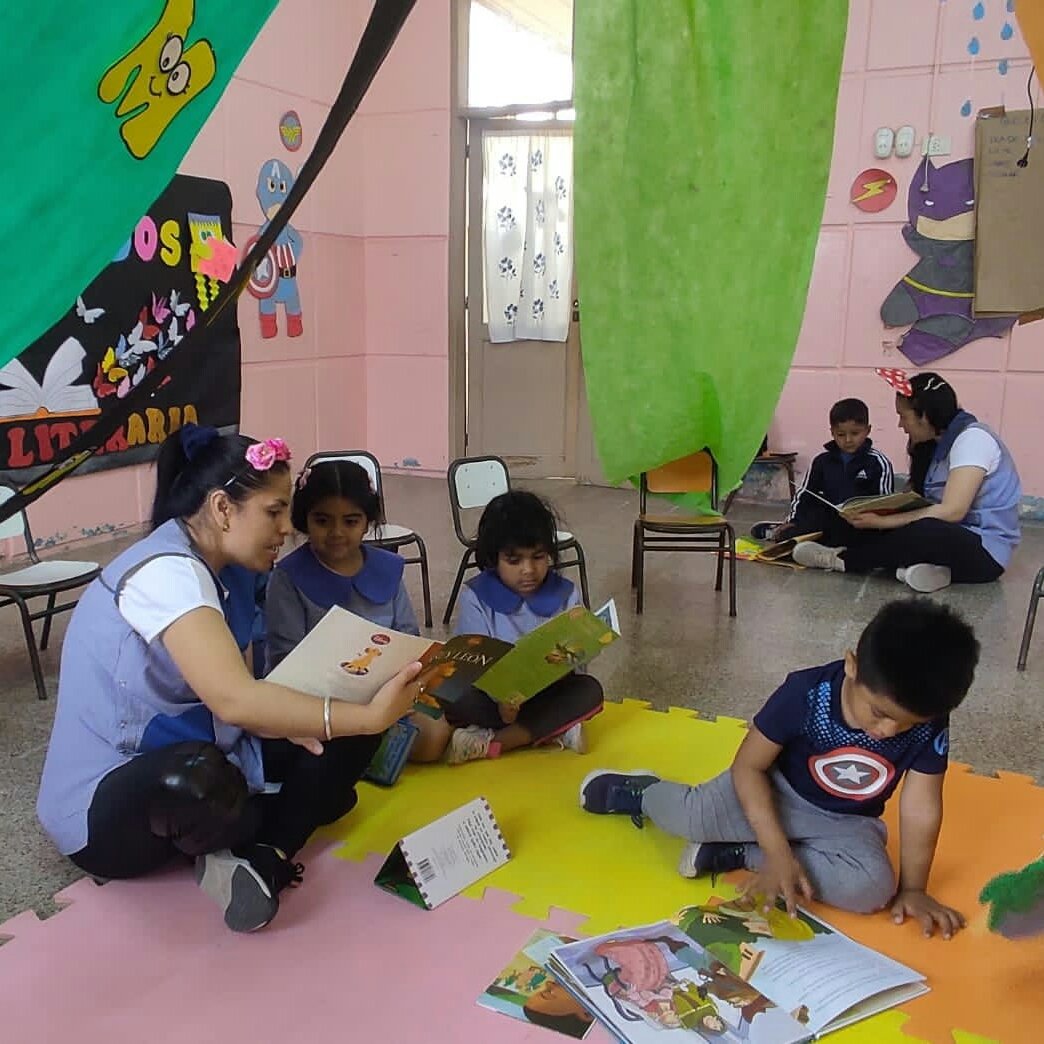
x=226, y=527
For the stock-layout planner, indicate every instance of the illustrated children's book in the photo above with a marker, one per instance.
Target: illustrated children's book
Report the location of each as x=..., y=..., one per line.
x=820, y=976
x=525, y=990
x=778, y=553
x=441, y=859
x=349, y=658
x=609, y=616
x=514, y=673
x=656, y=984
x=890, y=504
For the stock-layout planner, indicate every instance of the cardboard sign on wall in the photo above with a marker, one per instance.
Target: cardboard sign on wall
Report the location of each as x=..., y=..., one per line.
x=1009, y=243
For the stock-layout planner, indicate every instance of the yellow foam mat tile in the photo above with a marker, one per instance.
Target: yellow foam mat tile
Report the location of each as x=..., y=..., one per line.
x=603, y=868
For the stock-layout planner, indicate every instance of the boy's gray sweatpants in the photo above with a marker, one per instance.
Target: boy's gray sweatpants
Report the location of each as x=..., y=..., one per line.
x=843, y=855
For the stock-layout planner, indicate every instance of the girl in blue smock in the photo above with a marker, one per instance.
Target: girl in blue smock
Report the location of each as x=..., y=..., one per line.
x=334, y=506
x=157, y=748
x=518, y=589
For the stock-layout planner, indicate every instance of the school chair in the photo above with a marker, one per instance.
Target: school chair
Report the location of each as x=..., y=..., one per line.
x=40, y=579
x=389, y=536
x=697, y=473
x=473, y=483
x=1031, y=618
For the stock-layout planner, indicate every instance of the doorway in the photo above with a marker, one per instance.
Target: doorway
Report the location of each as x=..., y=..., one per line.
x=519, y=395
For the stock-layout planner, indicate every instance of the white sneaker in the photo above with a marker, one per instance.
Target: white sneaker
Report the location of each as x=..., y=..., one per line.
x=816, y=556
x=924, y=578
x=573, y=739
x=469, y=744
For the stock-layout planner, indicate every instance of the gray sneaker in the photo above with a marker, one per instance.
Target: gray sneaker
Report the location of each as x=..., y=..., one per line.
x=924, y=578
x=246, y=886
x=817, y=556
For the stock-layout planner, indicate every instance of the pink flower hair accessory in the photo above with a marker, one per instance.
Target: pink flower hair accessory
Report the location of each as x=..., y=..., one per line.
x=896, y=379
x=262, y=455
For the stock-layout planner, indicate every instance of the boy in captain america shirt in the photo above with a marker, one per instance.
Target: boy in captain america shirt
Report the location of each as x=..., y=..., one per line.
x=802, y=802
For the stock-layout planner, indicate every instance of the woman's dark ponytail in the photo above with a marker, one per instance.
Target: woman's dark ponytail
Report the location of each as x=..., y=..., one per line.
x=196, y=460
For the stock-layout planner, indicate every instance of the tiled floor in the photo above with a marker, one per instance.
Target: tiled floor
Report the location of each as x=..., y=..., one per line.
x=684, y=650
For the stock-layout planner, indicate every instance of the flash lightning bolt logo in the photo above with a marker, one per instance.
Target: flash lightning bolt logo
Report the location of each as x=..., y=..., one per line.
x=873, y=188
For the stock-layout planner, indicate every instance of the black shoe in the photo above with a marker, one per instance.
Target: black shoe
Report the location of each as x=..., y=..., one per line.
x=246, y=883
x=711, y=857
x=765, y=530
x=616, y=793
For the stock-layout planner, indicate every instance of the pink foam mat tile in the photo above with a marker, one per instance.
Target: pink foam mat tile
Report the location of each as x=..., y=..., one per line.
x=151, y=960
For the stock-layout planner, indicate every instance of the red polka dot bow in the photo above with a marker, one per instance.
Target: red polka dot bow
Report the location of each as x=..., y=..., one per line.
x=896, y=379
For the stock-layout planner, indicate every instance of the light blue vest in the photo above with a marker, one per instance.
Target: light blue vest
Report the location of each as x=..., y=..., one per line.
x=119, y=696
x=994, y=513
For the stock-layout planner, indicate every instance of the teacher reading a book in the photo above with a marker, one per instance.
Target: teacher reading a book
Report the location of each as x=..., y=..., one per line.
x=164, y=744
x=971, y=528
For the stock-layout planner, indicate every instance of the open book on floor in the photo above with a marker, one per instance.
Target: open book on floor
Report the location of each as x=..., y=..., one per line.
x=778, y=553
x=349, y=658
x=735, y=972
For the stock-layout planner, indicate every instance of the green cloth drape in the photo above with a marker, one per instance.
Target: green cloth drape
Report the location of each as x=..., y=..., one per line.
x=702, y=143
x=103, y=100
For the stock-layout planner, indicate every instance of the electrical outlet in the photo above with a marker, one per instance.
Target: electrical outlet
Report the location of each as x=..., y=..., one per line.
x=936, y=146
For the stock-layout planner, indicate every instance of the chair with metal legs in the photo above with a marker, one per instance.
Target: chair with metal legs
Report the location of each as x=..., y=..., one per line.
x=1031, y=618
x=390, y=536
x=473, y=483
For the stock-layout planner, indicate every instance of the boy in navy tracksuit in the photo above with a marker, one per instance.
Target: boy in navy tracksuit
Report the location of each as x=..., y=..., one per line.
x=849, y=467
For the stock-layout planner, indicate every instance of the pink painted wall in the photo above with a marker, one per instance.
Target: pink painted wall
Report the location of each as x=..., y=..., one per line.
x=907, y=61
x=370, y=369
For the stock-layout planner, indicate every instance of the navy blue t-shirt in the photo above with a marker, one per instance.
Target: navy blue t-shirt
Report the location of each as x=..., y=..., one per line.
x=838, y=768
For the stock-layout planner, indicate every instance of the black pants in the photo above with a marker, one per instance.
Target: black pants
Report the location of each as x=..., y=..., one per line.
x=190, y=799
x=928, y=540
x=573, y=698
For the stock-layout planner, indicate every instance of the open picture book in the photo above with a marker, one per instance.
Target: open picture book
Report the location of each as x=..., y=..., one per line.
x=729, y=971
x=890, y=504
x=349, y=658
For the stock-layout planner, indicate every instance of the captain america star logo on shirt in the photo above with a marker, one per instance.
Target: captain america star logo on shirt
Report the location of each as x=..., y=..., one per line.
x=851, y=772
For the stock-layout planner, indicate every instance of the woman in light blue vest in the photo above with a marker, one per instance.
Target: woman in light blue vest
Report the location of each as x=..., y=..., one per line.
x=971, y=529
x=156, y=748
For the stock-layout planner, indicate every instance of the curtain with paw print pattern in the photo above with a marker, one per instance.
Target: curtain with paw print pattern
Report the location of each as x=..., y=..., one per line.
x=528, y=235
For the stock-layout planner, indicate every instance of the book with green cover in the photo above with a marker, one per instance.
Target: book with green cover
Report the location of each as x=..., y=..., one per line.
x=567, y=641
x=349, y=658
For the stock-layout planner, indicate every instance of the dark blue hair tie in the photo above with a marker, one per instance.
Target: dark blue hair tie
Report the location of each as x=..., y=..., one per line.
x=194, y=439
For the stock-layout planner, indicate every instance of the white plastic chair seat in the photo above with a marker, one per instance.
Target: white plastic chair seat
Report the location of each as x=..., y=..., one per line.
x=390, y=532
x=40, y=574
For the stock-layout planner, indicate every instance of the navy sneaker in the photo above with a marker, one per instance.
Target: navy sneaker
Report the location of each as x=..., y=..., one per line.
x=616, y=793
x=711, y=857
x=765, y=530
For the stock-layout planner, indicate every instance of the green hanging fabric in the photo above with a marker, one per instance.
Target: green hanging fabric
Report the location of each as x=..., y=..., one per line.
x=107, y=98
x=703, y=141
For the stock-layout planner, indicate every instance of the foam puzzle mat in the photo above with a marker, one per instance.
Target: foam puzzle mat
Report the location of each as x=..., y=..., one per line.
x=983, y=986
x=344, y=961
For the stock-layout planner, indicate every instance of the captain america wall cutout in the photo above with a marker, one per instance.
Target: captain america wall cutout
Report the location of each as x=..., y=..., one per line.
x=274, y=281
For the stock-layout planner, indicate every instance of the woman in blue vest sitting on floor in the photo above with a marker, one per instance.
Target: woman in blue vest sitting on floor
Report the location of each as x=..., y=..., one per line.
x=157, y=744
x=971, y=529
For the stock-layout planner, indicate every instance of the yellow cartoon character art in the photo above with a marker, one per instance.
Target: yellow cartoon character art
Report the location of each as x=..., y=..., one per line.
x=361, y=664
x=203, y=230
x=158, y=77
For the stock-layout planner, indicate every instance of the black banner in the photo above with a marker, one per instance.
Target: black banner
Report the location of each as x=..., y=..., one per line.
x=386, y=19
x=124, y=325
